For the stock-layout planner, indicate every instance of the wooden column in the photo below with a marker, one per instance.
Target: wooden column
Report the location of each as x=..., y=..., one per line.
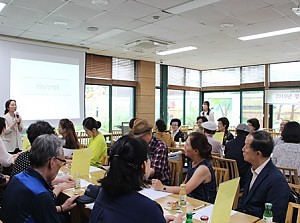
x=145, y=91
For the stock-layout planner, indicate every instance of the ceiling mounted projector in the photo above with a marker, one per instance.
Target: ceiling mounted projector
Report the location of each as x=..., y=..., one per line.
x=296, y=11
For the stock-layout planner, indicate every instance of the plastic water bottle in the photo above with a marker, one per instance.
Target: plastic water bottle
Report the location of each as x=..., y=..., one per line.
x=268, y=215
x=182, y=195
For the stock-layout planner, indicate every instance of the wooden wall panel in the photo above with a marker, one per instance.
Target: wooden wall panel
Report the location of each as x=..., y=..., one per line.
x=145, y=91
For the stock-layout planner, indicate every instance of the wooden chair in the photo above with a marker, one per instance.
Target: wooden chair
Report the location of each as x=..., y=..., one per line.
x=215, y=154
x=83, y=139
x=185, y=131
x=292, y=207
x=271, y=131
x=231, y=166
x=221, y=175
x=105, y=161
x=295, y=187
x=115, y=135
x=291, y=174
x=176, y=171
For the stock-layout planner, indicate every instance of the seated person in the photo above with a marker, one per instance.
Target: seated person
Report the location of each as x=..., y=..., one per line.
x=22, y=162
x=253, y=124
x=264, y=183
x=200, y=120
x=97, y=142
x=233, y=150
x=200, y=179
x=6, y=159
x=287, y=154
x=28, y=196
x=210, y=129
x=67, y=130
x=223, y=125
x=128, y=158
x=158, y=152
x=176, y=133
x=161, y=127
x=279, y=139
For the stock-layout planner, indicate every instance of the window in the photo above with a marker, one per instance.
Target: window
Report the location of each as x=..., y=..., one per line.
x=122, y=105
x=191, y=107
x=175, y=76
x=285, y=72
x=157, y=75
x=285, y=112
x=192, y=78
x=253, y=106
x=157, y=104
x=175, y=104
x=221, y=77
x=123, y=69
x=253, y=74
x=97, y=104
x=225, y=104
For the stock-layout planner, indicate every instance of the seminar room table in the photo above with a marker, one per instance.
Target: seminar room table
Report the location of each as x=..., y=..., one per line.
x=80, y=214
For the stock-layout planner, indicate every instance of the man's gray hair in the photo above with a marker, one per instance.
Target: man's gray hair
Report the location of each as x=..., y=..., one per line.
x=43, y=149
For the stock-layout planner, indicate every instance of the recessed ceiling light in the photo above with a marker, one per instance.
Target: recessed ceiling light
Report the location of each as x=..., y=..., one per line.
x=269, y=34
x=60, y=23
x=2, y=5
x=92, y=28
x=100, y=2
x=179, y=50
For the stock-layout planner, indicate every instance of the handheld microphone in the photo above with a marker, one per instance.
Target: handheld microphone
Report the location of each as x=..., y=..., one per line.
x=17, y=116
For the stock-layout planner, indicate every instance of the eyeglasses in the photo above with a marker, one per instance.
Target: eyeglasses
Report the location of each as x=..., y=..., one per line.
x=61, y=160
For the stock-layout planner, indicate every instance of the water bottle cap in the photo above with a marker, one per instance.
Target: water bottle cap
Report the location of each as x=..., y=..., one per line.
x=269, y=205
x=189, y=214
x=204, y=218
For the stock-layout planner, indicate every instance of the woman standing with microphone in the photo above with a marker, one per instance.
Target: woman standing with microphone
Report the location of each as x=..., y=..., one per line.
x=14, y=125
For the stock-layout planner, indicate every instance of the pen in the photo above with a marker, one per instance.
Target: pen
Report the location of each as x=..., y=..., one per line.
x=201, y=206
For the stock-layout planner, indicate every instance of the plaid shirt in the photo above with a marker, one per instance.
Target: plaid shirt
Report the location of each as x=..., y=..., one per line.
x=158, y=154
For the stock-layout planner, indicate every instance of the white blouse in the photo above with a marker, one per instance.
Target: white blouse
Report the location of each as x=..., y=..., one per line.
x=210, y=117
x=6, y=159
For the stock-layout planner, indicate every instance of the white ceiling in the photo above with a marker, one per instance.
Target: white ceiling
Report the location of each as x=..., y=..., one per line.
x=123, y=21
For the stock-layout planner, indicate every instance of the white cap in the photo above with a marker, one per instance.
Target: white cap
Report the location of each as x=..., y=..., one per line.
x=210, y=125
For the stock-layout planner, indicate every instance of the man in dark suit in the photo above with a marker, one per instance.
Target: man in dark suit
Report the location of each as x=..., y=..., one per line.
x=233, y=150
x=265, y=184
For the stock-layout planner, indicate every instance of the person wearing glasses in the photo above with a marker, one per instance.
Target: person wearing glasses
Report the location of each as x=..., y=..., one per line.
x=22, y=162
x=118, y=199
x=200, y=120
x=176, y=133
x=29, y=196
x=253, y=123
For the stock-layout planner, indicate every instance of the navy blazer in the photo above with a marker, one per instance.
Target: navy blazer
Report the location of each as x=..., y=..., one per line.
x=270, y=186
x=233, y=150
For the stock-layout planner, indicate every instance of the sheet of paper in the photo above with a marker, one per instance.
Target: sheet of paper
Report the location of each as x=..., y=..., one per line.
x=224, y=200
x=94, y=169
x=90, y=206
x=206, y=211
x=219, y=136
x=68, y=152
x=153, y=194
x=81, y=162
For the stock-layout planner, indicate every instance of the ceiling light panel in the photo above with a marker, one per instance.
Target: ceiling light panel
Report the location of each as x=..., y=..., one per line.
x=270, y=34
x=189, y=6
